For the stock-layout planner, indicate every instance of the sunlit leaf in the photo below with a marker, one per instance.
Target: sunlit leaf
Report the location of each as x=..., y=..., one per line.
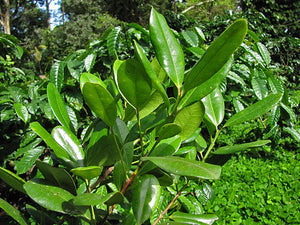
x=194, y=219
x=12, y=179
x=13, y=212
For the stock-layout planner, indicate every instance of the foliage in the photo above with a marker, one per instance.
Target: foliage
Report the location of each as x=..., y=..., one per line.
x=136, y=152
x=241, y=196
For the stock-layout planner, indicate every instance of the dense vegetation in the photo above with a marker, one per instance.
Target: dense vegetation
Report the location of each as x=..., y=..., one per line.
x=96, y=114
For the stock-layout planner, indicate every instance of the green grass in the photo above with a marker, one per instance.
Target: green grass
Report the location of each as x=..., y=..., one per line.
x=259, y=188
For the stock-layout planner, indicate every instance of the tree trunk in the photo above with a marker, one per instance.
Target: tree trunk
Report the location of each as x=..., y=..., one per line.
x=5, y=17
x=48, y=13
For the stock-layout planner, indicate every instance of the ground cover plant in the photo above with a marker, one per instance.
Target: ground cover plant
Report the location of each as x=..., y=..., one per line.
x=133, y=160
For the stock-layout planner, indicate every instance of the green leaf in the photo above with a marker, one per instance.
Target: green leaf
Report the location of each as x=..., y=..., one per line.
x=57, y=75
x=293, y=132
x=12, y=179
x=196, y=94
x=89, y=61
x=112, y=41
x=12, y=212
x=259, y=87
x=255, y=110
x=275, y=85
x=168, y=130
x=51, y=198
x=28, y=159
x=119, y=175
x=22, y=112
x=133, y=83
x=150, y=72
x=200, y=33
x=58, y=176
x=263, y=51
x=58, y=107
x=104, y=152
x=214, y=107
x=190, y=37
x=50, y=141
x=168, y=50
x=88, y=77
x=145, y=197
x=96, y=199
x=189, y=119
x=194, y=219
x=69, y=142
x=217, y=54
x=101, y=102
x=88, y=172
x=239, y=147
x=186, y=167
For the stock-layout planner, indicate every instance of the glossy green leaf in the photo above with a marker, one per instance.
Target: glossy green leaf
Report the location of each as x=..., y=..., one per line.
x=88, y=172
x=275, y=85
x=200, y=33
x=196, y=94
x=101, y=102
x=22, y=112
x=112, y=41
x=168, y=50
x=186, y=167
x=217, y=54
x=263, y=51
x=255, y=110
x=57, y=74
x=190, y=37
x=12, y=179
x=96, y=199
x=289, y=111
x=69, y=142
x=119, y=175
x=189, y=119
x=88, y=77
x=57, y=176
x=133, y=83
x=293, y=132
x=51, y=197
x=50, y=141
x=58, y=107
x=89, y=61
x=168, y=130
x=150, y=72
x=259, y=87
x=120, y=130
x=28, y=159
x=145, y=197
x=194, y=219
x=239, y=147
x=12, y=212
x=104, y=152
x=214, y=107
x=172, y=223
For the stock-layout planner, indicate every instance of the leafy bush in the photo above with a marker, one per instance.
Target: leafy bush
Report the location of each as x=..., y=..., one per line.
x=140, y=148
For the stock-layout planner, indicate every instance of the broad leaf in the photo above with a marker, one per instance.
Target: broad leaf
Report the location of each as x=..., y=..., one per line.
x=51, y=198
x=88, y=77
x=275, y=85
x=58, y=176
x=168, y=50
x=13, y=212
x=50, y=141
x=133, y=83
x=22, y=112
x=58, y=107
x=260, y=87
x=28, y=159
x=88, y=172
x=69, y=142
x=168, y=130
x=145, y=197
x=255, y=110
x=150, y=72
x=263, y=51
x=89, y=61
x=57, y=74
x=189, y=119
x=112, y=41
x=190, y=37
x=101, y=102
x=196, y=94
x=194, y=219
x=217, y=54
x=96, y=199
x=214, y=107
x=12, y=179
x=239, y=147
x=104, y=152
x=293, y=132
x=186, y=167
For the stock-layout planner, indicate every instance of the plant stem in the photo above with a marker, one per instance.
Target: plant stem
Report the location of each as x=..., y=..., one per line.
x=93, y=217
x=169, y=206
x=108, y=171
x=212, y=144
